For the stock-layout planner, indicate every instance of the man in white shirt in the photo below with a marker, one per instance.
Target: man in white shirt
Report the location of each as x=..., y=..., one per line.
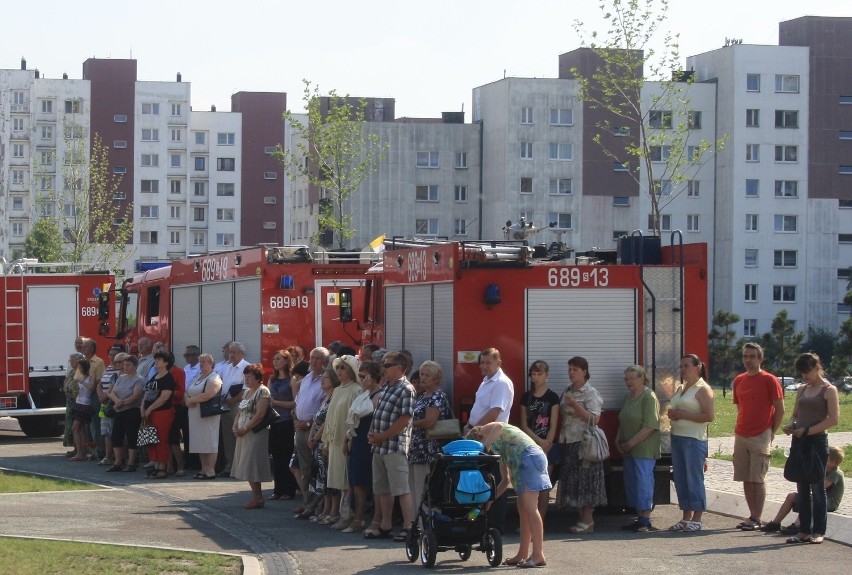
x=221, y=365
x=192, y=367
x=307, y=403
x=231, y=378
x=495, y=394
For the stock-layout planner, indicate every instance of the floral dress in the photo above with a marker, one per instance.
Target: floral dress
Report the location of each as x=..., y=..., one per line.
x=319, y=469
x=422, y=449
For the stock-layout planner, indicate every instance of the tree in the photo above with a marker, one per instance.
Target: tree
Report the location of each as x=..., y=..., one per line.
x=44, y=242
x=842, y=356
x=821, y=342
x=655, y=134
x=723, y=352
x=335, y=153
x=781, y=345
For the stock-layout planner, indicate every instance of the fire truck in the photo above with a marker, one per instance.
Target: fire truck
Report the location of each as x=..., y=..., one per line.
x=43, y=312
x=267, y=298
x=447, y=301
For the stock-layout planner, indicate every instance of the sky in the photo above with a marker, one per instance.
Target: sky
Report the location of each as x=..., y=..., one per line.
x=426, y=55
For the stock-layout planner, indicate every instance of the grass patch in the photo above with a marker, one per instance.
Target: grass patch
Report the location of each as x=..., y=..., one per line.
x=36, y=557
x=777, y=458
x=13, y=482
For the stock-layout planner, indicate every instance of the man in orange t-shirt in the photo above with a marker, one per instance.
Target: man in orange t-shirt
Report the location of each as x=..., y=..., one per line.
x=760, y=409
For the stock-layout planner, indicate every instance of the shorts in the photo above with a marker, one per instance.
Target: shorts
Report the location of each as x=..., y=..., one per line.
x=751, y=457
x=82, y=413
x=533, y=471
x=106, y=426
x=390, y=474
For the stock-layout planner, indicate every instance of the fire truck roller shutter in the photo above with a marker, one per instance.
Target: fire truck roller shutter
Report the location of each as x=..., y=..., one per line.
x=52, y=317
x=247, y=324
x=186, y=318
x=217, y=316
x=598, y=324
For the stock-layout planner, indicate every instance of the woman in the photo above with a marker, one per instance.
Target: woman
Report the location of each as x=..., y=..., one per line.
x=539, y=414
x=203, y=431
x=581, y=483
x=360, y=453
x=524, y=462
x=319, y=467
x=126, y=394
x=83, y=409
x=334, y=436
x=305, y=510
x=71, y=386
x=157, y=411
x=432, y=404
x=816, y=411
x=251, y=455
x=690, y=410
x=282, y=432
x=638, y=440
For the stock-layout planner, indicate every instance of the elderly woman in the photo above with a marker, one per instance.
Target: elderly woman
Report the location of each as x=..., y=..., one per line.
x=71, y=386
x=334, y=436
x=157, y=410
x=282, y=431
x=251, y=454
x=690, y=410
x=581, y=483
x=432, y=404
x=539, y=417
x=203, y=431
x=126, y=395
x=638, y=441
x=524, y=463
x=319, y=465
x=360, y=453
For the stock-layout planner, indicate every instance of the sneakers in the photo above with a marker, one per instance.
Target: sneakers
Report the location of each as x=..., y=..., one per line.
x=770, y=527
x=105, y=461
x=791, y=529
x=638, y=527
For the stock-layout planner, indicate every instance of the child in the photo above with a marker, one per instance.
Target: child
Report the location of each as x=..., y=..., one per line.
x=833, y=490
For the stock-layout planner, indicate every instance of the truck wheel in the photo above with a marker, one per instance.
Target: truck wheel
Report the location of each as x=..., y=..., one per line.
x=42, y=425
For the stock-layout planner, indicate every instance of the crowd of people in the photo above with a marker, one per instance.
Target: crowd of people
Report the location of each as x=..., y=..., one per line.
x=343, y=430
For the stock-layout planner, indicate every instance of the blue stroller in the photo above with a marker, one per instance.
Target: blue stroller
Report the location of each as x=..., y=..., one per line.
x=450, y=515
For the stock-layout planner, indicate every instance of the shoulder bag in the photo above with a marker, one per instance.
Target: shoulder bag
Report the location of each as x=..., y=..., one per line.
x=594, y=447
x=445, y=428
x=212, y=406
x=269, y=417
x=803, y=465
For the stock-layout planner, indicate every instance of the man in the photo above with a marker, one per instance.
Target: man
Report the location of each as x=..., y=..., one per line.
x=307, y=403
x=191, y=371
x=221, y=366
x=232, y=382
x=96, y=371
x=760, y=409
x=107, y=379
x=366, y=353
x=494, y=397
x=146, y=357
x=390, y=435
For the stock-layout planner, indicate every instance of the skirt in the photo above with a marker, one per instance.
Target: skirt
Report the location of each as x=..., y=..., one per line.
x=251, y=457
x=580, y=483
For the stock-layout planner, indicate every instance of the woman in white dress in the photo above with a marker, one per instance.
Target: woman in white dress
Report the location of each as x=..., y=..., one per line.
x=203, y=431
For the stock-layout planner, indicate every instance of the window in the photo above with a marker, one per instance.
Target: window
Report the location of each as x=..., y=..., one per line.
x=17, y=124
x=621, y=131
x=845, y=170
x=225, y=164
x=17, y=176
x=73, y=132
x=17, y=229
x=786, y=223
x=752, y=153
x=619, y=167
x=561, y=219
x=150, y=160
x=692, y=223
x=560, y=186
x=223, y=189
x=225, y=138
x=693, y=154
x=18, y=98
x=752, y=188
x=151, y=212
x=200, y=138
x=427, y=159
x=46, y=182
x=665, y=222
x=46, y=158
x=17, y=150
x=199, y=239
x=526, y=115
x=786, y=118
x=621, y=201
x=751, y=258
x=787, y=154
x=460, y=194
x=150, y=186
x=751, y=293
x=174, y=212
x=618, y=234
x=561, y=117
x=176, y=109
x=426, y=226
x=845, y=134
x=426, y=193
x=660, y=153
x=119, y=144
x=150, y=135
x=693, y=188
x=199, y=189
x=151, y=109
x=225, y=240
x=119, y=196
x=752, y=118
x=786, y=189
x=694, y=120
x=784, y=258
x=120, y=118
x=749, y=328
x=269, y=150
x=17, y=203
x=225, y=214
x=526, y=150
x=844, y=238
x=47, y=106
x=174, y=187
x=783, y=294
x=174, y=238
x=751, y=222
x=199, y=214
x=560, y=151
x=460, y=227
x=177, y=135
x=660, y=119
x=200, y=163
x=119, y=170
x=47, y=132
x=460, y=161
x=752, y=82
x=270, y=175
x=844, y=100
x=787, y=83
x=270, y=200
x=663, y=187
x=73, y=106
x=526, y=185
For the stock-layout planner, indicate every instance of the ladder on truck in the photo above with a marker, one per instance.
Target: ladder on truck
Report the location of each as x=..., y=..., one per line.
x=14, y=319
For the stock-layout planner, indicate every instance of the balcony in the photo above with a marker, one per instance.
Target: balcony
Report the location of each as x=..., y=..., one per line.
x=19, y=136
x=19, y=161
x=193, y=225
x=20, y=108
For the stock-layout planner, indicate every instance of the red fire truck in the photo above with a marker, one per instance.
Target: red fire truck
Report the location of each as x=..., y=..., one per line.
x=267, y=297
x=42, y=315
x=447, y=301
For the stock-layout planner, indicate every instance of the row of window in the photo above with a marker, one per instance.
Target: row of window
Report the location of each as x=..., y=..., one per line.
x=693, y=223
x=783, y=188
x=781, y=223
x=72, y=105
x=176, y=187
x=784, y=83
x=783, y=154
x=176, y=161
x=780, y=258
x=556, y=117
x=780, y=293
x=783, y=118
x=663, y=120
x=153, y=109
x=199, y=213
x=199, y=239
x=431, y=159
x=556, y=151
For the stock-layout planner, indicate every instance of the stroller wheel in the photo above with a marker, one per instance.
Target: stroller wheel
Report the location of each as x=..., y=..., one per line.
x=412, y=545
x=428, y=548
x=493, y=547
x=464, y=552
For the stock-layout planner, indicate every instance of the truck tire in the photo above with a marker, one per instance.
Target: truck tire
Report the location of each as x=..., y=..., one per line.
x=42, y=425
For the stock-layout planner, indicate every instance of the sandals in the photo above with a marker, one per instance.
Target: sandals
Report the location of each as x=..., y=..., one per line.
x=581, y=527
x=530, y=563
x=803, y=539
x=750, y=524
x=161, y=474
x=514, y=561
x=817, y=539
x=115, y=467
x=202, y=476
x=692, y=526
x=380, y=534
x=401, y=536
x=354, y=527
x=129, y=468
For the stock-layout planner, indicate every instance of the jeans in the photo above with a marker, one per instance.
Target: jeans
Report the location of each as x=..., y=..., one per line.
x=811, y=498
x=688, y=455
x=639, y=482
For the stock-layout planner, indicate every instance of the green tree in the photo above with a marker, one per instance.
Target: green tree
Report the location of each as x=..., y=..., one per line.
x=820, y=341
x=655, y=131
x=842, y=356
x=335, y=153
x=781, y=345
x=723, y=353
x=44, y=242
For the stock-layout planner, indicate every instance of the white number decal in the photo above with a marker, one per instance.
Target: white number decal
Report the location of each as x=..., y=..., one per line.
x=88, y=312
x=288, y=302
x=573, y=277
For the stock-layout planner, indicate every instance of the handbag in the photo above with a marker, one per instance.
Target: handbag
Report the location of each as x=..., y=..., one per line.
x=268, y=419
x=109, y=409
x=445, y=429
x=803, y=465
x=594, y=447
x=147, y=436
x=212, y=406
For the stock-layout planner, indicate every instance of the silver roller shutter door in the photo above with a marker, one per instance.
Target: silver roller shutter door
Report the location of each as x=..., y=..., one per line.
x=217, y=309
x=186, y=318
x=247, y=317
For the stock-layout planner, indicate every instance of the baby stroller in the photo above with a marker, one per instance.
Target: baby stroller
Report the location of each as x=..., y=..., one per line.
x=450, y=514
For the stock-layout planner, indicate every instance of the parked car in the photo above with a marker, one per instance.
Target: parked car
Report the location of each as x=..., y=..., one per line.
x=789, y=383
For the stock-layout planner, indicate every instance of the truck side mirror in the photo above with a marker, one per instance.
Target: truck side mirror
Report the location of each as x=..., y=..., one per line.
x=345, y=303
x=103, y=306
